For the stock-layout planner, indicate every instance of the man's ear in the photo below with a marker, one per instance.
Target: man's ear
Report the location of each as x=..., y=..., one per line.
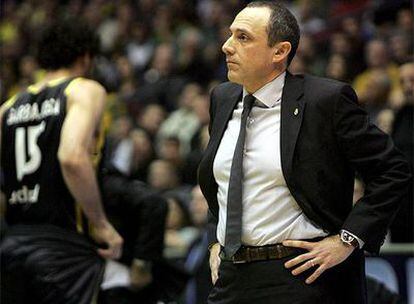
x=282, y=50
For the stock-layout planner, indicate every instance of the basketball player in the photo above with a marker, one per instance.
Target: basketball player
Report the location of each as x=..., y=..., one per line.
x=50, y=138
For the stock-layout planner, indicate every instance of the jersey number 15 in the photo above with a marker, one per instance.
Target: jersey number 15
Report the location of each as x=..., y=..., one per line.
x=28, y=165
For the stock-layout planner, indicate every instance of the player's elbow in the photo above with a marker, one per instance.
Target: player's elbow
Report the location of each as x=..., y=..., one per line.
x=71, y=161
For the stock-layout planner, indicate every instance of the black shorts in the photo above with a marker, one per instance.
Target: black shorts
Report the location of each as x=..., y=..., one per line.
x=48, y=264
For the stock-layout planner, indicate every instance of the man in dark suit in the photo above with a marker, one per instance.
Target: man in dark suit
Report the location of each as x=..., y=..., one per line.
x=278, y=174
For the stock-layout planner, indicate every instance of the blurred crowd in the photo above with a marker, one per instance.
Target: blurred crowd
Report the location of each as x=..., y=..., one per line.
x=159, y=60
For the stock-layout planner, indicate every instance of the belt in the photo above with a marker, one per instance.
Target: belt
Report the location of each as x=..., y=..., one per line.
x=247, y=254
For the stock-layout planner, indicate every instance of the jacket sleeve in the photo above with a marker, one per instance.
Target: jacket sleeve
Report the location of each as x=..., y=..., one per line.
x=212, y=220
x=212, y=110
x=212, y=229
x=384, y=170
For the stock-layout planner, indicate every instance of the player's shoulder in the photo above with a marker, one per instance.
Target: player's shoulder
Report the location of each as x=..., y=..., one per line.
x=9, y=102
x=80, y=84
x=83, y=90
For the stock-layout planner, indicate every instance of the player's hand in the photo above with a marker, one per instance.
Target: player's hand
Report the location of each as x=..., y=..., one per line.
x=214, y=262
x=106, y=234
x=324, y=254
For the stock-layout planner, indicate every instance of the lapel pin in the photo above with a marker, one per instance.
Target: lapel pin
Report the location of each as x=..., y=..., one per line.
x=296, y=112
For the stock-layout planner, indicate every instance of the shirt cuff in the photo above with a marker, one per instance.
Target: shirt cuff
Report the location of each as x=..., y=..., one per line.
x=361, y=243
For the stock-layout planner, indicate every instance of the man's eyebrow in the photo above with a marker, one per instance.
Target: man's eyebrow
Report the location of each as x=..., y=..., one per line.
x=240, y=29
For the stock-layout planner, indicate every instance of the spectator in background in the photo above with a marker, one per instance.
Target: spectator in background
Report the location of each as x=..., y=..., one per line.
x=377, y=58
x=400, y=48
x=307, y=51
x=159, y=81
x=193, y=159
x=93, y=13
x=126, y=76
x=384, y=120
x=337, y=68
x=140, y=46
x=199, y=141
x=162, y=175
x=183, y=122
x=375, y=96
x=347, y=44
x=140, y=214
x=143, y=154
x=354, y=33
x=308, y=20
x=132, y=155
x=405, y=22
x=169, y=150
x=298, y=66
x=120, y=155
x=190, y=59
x=162, y=23
x=180, y=232
x=114, y=31
x=27, y=70
x=340, y=43
x=151, y=118
x=200, y=107
x=119, y=131
x=197, y=260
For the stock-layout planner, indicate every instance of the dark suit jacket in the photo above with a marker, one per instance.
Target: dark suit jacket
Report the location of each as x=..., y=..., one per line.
x=322, y=146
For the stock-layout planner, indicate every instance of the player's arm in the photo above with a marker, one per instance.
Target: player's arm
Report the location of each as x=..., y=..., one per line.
x=86, y=99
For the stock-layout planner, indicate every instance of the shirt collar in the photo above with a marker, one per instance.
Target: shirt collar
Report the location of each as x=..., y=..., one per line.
x=271, y=93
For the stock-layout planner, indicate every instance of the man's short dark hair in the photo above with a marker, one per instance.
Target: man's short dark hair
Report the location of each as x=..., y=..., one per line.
x=282, y=26
x=61, y=43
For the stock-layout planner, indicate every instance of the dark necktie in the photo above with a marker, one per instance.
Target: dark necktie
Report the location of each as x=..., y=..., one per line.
x=235, y=191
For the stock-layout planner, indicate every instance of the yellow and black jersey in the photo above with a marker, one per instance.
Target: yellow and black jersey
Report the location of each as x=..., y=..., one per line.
x=35, y=190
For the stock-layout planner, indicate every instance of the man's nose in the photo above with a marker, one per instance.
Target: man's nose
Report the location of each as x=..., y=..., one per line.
x=227, y=47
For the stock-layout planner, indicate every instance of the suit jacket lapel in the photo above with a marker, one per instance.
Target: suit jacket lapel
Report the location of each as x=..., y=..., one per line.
x=292, y=110
x=223, y=115
x=224, y=111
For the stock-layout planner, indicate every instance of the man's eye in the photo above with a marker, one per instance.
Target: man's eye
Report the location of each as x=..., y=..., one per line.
x=243, y=37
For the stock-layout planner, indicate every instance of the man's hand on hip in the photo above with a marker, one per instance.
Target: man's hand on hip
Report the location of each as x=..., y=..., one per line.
x=325, y=254
x=214, y=262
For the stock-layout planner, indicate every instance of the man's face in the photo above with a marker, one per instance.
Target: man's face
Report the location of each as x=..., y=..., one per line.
x=377, y=54
x=248, y=56
x=407, y=81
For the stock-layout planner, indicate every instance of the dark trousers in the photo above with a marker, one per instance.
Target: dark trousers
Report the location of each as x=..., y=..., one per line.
x=269, y=282
x=139, y=214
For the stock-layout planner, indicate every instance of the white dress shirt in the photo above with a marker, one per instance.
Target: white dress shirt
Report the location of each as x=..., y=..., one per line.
x=270, y=213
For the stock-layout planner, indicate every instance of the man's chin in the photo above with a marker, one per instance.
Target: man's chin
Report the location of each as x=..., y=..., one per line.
x=233, y=78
